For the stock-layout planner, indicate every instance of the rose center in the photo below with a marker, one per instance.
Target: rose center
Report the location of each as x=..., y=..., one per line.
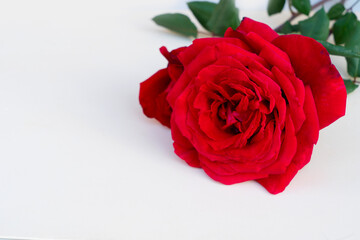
x=234, y=120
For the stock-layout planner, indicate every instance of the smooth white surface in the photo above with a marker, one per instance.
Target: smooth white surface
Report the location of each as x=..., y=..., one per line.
x=79, y=160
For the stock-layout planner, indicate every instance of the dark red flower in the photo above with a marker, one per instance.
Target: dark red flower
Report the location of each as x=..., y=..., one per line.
x=248, y=106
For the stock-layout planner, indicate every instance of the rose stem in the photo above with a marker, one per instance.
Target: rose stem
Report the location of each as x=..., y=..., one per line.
x=206, y=33
x=354, y=81
x=351, y=7
x=298, y=14
x=291, y=11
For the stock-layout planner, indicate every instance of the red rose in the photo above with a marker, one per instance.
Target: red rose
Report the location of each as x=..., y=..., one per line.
x=248, y=106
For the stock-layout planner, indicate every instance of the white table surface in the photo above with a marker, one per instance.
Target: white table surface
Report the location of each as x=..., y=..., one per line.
x=79, y=160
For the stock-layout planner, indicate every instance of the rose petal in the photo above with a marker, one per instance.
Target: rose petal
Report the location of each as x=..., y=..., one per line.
x=183, y=148
x=312, y=64
x=248, y=25
x=277, y=183
x=306, y=138
x=227, y=178
x=258, y=43
x=296, y=108
x=172, y=56
x=153, y=99
x=198, y=45
x=287, y=151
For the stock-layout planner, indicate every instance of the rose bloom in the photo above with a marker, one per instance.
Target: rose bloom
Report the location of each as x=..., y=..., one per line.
x=248, y=106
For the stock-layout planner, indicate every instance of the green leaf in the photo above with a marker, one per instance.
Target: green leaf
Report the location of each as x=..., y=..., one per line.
x=303, y=6
x=353, y=43
x=288, y=28
x=336, y=11
x=340, y=50
x=225, y=15
x=296, y=28
x=344, y=27
x=177, y=22
x=275, y=6
x=202, y=11
x=350, y=86
x=317, y=26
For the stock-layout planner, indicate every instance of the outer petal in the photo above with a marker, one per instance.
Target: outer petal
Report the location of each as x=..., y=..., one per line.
x=306, y=138
x=172, y=56
x=228, y=179
x=248, y=25
x=198, y=45
x=183, y=148
x=153, y=98
x=154, y=91
x=312, y=64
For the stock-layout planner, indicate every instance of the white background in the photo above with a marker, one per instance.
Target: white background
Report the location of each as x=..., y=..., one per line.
x=79, y=160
